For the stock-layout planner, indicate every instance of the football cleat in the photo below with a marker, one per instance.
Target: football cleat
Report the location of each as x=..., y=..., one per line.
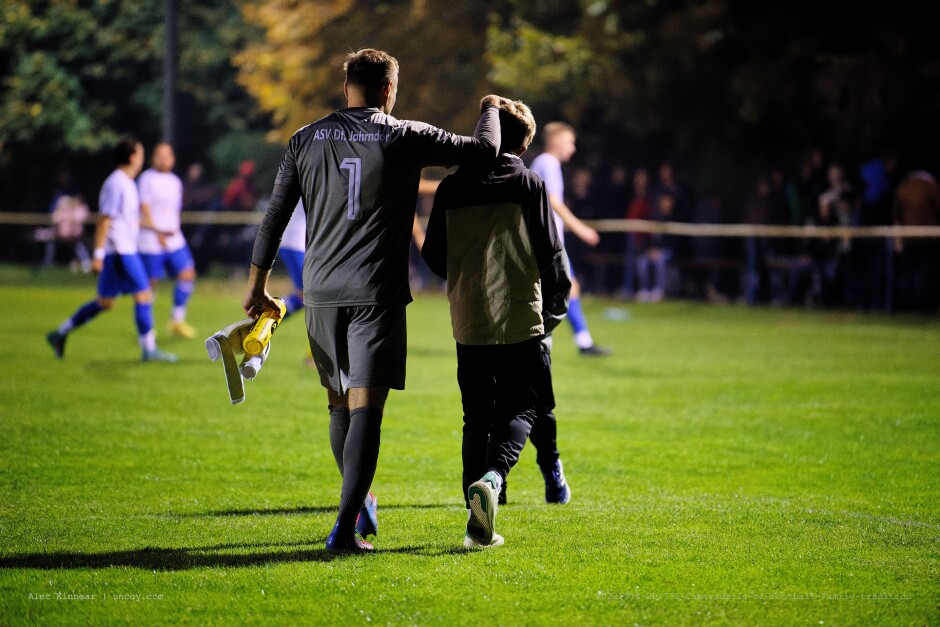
x=595, y=351
x=501, y=499
x=482, y=497
x=181, y=329
x=158, y=355
x=352, y=544
x=556, y=488
x=367, y=524
x=471, y=543
x=57, y=342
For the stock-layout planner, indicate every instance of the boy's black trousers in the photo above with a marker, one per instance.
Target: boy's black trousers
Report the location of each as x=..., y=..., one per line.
x=503, y=387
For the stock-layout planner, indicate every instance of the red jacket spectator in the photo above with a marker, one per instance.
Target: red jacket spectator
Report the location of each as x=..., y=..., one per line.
x=242, y=193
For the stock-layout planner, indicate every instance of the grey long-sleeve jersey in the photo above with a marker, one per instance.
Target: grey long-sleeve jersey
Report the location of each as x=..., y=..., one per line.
x=357, y=171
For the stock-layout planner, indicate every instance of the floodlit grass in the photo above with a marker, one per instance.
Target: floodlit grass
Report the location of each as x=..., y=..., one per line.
x=728, y=466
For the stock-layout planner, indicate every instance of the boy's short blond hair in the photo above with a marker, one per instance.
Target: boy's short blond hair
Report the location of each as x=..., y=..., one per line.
x=517, y=126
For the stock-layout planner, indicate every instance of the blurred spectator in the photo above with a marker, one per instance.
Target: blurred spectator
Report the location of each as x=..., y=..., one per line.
x=917, y=203
x=242, y=193
x=612, y=195
x=666, y=183
x=873, y=258
x=709, y=253
x=837, y=206
x=657, y=253
x=877, y=189
x=199, y=195
x=756, y=211
x=635, y=244
x=790, y=265
x=615, y=193
x=806, y=189
x=582, y=185
x=829, y=210
x=778, y=196
x=69, y=212
x=582, y=201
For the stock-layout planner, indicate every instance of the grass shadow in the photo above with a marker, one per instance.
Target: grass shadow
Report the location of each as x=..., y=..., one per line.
x=281, y=511
x=178, y=559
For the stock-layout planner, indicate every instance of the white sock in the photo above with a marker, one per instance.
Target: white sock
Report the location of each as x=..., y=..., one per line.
x=148, y=341
x=583, y=339
x=179, y=313
x=66, y=326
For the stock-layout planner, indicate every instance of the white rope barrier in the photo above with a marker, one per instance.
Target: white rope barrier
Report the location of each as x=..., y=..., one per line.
x=760, y=230
x=235, y=218
x=188, y=217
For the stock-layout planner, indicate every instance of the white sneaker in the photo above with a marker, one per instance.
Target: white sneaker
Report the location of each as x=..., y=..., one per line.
x=483, y=503
x=471, y=543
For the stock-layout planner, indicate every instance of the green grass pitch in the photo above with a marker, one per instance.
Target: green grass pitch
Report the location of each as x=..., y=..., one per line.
x=728, y=466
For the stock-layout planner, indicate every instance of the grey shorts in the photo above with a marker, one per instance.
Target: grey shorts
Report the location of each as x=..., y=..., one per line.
x=363, y=346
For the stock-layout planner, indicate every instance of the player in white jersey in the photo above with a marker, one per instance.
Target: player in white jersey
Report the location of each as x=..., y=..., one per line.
x=291, y=253
x=116, y=257
x=559, y=148
x=163, y=247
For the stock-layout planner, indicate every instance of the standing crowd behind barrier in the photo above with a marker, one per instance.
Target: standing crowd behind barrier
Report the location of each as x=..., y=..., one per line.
x=865, y=273
x=200, y=195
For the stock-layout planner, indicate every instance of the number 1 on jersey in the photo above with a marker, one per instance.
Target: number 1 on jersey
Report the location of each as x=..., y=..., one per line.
x=354, y=165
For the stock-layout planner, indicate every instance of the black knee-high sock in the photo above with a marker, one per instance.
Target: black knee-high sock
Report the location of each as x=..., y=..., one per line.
x=360, y=457
x=339, y=427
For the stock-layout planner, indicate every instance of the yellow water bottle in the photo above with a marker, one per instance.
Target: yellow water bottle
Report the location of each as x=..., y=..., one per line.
x=263, y=329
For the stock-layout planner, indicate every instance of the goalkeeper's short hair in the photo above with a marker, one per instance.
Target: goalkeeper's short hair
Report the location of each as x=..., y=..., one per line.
x=370, y=69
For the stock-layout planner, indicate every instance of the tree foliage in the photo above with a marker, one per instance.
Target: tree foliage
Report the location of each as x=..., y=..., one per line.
x=296, y=71
x=64, y=62
x=749, y=82
x=78, y=73
x=717, y=85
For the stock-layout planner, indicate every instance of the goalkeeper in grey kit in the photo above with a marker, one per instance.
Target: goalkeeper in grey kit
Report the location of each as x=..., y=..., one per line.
x=357, y=171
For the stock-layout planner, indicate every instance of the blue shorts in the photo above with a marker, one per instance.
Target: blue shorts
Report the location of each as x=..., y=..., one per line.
x=294, y=260
x=171, y=264
x=122, y=274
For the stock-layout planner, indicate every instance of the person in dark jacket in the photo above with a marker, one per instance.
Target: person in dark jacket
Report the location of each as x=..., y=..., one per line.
x=492, y=235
